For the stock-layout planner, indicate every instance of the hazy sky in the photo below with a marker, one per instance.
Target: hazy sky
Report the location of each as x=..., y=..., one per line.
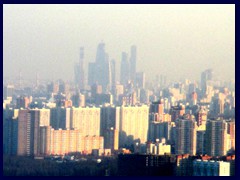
x=179, y=41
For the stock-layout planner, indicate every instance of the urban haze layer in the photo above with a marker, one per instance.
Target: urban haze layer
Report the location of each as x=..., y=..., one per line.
x=111, y=119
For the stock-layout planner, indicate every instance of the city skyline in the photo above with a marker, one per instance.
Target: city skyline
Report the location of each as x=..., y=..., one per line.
x=48, y=42
x=119, y=90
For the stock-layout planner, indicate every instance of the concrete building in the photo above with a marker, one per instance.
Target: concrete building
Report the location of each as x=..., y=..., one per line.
x=109, y=128
x=210, y=168
x=201, y=144
x=201, y=118
x=10, y=131
x=133, y=124
x=159, y=148
x=232, y=133
x=8, y=91
x=92, y=142
x=61, y=142
x=186, y=136
x=24, y=133
x=216, y=138
x=133, y=63
x=177, y=111
x=125, y=69
x=158, y=130
x=22, y=102
x=79, y=71
x=60, y=118
x=86, y=119
x=140, y=80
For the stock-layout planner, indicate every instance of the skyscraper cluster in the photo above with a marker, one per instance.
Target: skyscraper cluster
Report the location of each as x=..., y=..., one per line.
x=184, y=119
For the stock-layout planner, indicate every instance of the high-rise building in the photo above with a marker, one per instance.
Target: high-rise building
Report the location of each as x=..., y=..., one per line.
x=59, y=142
x=91, y=73
x=22, y=102
x=78, y=100
x=206, y=76
x=159, y=148
x=201, y=144
x=79, y=70
x=109, y=129
x=25, y=133
x=217, y=104
x=101, y=99
x=113, y=75
x=92, y=142
x=29, y=122
x=128, y=99
x=144, y=96
x=60, y=118
x=125, y=69
x=103, y=68
x=216, y=138
x=177, y=111
x=119, y=90
x=201, y=118
x=193, y=98
x=133, y=125
x=10, y=131
x=140, y=79
x=186, y=136
x=232, y=133
x=157, y=107
x=133, y=61
x=8, y=91
x=158, y=130
x=86, y=119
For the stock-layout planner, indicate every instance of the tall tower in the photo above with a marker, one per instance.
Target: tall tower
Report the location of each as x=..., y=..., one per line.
x=81, y=79
x=133, y=59
x=206, y=76
x=113, y=73
x=79, y=71
x=125, y=69
x=102, y=67
x=186, y=136
x=216, y=138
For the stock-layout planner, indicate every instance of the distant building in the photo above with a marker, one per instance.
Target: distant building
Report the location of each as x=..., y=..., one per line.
x=206, y=76
x=101, y=99
x=78, y=100
x=201, y=144
x=133, y=63
x=60, y=118
x=86, y=119
x=128, y=99
x=210, y=168
x=79, y=71
x=109, y=128
x=91, y=73
x=159, y=148
x=125, y=69
x=232, y=133
x=8, y=91
x=133, y=124
x=186, y=136
x=177, y=111
x=22, y=102
x=201, y=118
x=140, y=79
x=10, y=131
x=216, y=138
x=158, y=130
